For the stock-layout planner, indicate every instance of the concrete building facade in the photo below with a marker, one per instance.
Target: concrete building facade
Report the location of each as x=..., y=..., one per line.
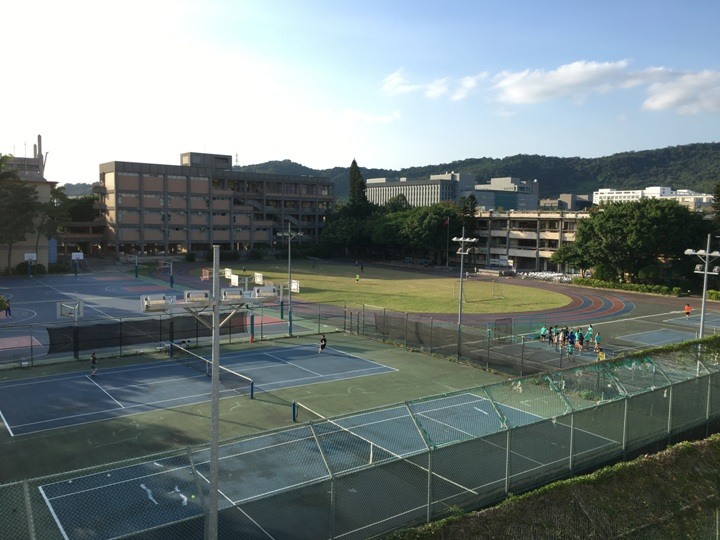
x=523, y=241
x=169, y=209
x=439, y=187
x=508, y=193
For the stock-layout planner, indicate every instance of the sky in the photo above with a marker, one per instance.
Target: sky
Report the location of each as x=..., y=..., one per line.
x=391, y=84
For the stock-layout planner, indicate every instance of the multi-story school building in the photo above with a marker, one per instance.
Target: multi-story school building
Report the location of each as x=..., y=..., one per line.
x=523, y=241
x=168, y=209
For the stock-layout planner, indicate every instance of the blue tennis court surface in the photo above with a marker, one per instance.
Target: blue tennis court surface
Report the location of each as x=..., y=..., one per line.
x=155, y=493
x=659, y=337
x=44, y=403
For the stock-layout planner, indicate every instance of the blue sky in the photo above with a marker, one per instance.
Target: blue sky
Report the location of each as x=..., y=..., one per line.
x=393, y=83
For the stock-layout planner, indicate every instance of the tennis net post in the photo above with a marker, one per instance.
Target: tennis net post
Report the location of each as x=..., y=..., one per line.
x=229, y=378
x=335, y=435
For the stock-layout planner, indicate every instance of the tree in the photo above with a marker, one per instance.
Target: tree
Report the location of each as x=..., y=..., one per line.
x=6, y=173
x=18, y=210
x=425, y=228
x=358, y=197
x=572, y=255
x=398, y=203
x=630, y=237
x=468, y=209
x=344, y=233
x=54, y=215
x=716, y=208
x=82, y=208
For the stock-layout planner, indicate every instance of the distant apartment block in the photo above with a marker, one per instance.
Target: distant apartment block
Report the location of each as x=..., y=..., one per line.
x=693, y=201
x=31, y=170
x=523, y=241
x=154, y=208
x=440, y=187
x=566, y=201
x=508, y=194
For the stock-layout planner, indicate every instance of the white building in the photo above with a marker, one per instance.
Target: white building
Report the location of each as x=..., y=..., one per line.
x=440, y=187
x=690, y=199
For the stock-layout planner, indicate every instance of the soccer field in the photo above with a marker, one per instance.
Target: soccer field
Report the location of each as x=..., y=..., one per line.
x=402, y=288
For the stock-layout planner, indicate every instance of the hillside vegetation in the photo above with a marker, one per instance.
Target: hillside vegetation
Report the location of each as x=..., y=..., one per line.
x=672, y=494
x=691, y=166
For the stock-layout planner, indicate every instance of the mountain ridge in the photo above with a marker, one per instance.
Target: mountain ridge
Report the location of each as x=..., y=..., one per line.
x=692, y=166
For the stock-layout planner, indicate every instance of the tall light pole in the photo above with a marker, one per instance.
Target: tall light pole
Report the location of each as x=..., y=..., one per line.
x=290, y=235
x=707, y=257
x=462, y=252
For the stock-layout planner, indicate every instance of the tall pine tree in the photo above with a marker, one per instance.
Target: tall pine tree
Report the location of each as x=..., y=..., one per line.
x=358, y=197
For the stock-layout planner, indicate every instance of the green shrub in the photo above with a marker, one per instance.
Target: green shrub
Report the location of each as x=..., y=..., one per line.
x=190, y=256
x=22, y=268
x=229, y=255
x=58, y=268
x=634, y=287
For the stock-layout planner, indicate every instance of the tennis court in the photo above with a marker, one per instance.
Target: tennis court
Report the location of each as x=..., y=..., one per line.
x=155, y=493
x=77, y=398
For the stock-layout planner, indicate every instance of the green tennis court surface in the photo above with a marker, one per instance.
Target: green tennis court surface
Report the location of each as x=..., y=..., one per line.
x=156, y=493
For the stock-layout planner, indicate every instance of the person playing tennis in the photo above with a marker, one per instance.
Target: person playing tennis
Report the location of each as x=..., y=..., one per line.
x=93, y=364
x=323, y=343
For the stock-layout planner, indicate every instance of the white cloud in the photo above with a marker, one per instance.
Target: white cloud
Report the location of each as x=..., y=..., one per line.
x=690, y=93
x=467, y=85
x=395, y=83
x=575, y=80
x=436, y=88
x=685, y=93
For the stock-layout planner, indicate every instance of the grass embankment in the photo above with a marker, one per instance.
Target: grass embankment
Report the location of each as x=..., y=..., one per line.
x=671, y=494
x=401, y=289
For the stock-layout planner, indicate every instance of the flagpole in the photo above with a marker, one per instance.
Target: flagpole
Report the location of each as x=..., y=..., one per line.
x=447, y=245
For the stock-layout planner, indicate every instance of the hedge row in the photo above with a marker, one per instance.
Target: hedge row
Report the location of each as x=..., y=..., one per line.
x=634, y=287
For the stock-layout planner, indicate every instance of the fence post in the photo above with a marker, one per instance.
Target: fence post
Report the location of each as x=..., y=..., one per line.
x=319, y=314
x=28, y=506
x=571, y=464
x=625, y=423
x=487, y=357
x=522, y=354
x=431, y=334
x=428, y=516
x=507, y=461
x=363, y=322
x=670, y=411
x=707, y=406
x=406, y=330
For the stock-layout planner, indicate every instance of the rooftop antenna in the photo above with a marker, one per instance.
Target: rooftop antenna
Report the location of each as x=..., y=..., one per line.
x=237, y=161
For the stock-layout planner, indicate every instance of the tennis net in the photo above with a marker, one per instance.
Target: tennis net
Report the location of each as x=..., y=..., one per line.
x=338, y=442
x=230, y=379
x=345, y=449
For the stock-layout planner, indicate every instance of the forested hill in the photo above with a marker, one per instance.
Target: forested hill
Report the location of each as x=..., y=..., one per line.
x=691, y=166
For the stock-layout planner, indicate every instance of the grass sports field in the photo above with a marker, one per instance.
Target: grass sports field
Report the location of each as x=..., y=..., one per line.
x=432, y=291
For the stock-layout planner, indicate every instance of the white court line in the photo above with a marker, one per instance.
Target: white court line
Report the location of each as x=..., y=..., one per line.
x=54, y=515
x=74, y=298
x=7, y=426
x=106, y=392
x=293, y=364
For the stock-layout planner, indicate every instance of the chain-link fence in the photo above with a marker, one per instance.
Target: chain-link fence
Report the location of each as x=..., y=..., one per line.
x=506, y=344
x=26, y=344
x=362, y=475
